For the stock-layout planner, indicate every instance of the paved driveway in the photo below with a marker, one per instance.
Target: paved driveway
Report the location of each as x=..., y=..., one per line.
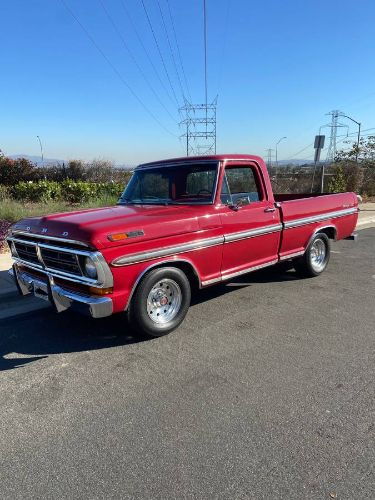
x=266, y=391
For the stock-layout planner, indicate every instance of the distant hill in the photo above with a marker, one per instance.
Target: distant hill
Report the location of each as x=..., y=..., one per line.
x=294, y=162
x=37, y=159
x=54, y=161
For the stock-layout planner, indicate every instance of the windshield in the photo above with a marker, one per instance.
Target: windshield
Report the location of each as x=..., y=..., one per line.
x=177, y=184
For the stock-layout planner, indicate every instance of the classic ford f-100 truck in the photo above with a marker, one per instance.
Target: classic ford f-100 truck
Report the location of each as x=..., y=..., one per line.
x=180, y=224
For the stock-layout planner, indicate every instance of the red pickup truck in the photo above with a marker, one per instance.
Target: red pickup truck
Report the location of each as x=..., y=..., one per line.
x=180, y=224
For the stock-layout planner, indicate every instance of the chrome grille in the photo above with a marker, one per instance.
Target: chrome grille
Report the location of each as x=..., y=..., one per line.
x=48, y=256
x=59, y=258
x=63, y=261
x=27, y=252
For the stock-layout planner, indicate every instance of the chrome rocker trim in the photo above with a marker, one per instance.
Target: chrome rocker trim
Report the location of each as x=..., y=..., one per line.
x=60, y=298
x=226, y=277
x=292, y=255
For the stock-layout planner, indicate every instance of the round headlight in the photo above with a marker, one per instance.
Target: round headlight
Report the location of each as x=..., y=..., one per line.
x=90, y=268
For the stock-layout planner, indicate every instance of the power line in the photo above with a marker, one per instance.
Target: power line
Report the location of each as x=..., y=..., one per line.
x=299, y=152
x=223, y=47
x=178, y=49
x=159, y=51
x=345, y=136
x=205, y=48
x=170, y=49
x=110, y=19
x=114, y=69
x=145, y=50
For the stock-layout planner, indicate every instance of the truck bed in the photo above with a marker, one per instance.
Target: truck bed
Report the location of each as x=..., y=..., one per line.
x=303, y=214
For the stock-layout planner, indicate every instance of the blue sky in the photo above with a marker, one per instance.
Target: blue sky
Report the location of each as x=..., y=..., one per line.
x=277, y=67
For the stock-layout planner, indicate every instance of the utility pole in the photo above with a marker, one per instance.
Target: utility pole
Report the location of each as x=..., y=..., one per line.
x=277, y=163
x=269, y=157
x=359, y=133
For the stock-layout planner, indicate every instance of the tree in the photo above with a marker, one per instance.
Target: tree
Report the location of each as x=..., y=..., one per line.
x=338, y=182
x=15, y=170
x=359, y=175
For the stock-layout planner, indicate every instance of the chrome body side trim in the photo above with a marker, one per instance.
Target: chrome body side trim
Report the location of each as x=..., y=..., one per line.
x=52, y=238
x=156, y=264
x=60, y=298
x=228, y=238
x=136, y=258
x=317, y=218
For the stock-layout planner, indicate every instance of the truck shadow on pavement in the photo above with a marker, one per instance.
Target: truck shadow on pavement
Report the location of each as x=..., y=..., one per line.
x=34, y=336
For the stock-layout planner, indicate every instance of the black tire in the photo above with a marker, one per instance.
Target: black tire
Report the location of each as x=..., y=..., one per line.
x=315, y=260
x=149, y=313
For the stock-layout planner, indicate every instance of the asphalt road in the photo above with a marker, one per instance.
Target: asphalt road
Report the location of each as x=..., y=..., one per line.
x=266, y=391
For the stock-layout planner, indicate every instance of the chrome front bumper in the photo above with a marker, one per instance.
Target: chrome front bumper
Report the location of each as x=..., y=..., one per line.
x=60, y=298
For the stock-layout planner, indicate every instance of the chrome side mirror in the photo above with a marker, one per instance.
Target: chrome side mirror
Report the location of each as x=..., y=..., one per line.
x=239, y=203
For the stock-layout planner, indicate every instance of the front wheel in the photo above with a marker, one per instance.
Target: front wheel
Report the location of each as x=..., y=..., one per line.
x=315, y=259
x=160, y=302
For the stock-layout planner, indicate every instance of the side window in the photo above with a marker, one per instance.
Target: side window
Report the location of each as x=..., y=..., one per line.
x=240, y=183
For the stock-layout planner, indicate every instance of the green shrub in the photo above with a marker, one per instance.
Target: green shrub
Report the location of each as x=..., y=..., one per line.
x=67, y=191
x=78, y=192
x=41, y=191
x=338, y=181
x=81, y=192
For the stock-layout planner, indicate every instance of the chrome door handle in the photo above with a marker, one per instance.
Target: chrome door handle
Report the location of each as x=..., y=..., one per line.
x=270, y=209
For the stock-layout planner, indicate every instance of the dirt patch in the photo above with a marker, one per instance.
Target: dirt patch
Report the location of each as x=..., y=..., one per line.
x=4, y=226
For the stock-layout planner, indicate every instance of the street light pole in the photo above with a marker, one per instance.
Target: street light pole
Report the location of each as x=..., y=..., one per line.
x=277, y=164
x=41, y=148
x=359, y=133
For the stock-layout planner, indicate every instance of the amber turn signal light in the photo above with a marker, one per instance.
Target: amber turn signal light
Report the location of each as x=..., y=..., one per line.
x=117, y=237
x=100, y=291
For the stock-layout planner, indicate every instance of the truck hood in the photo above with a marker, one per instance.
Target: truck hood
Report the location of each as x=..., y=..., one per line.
x=93, y=226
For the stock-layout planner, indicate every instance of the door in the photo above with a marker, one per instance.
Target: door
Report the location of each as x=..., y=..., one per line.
x=251, y=223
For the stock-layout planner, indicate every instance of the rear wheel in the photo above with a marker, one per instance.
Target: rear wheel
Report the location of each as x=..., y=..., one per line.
x=160, y=302
x=316, y=258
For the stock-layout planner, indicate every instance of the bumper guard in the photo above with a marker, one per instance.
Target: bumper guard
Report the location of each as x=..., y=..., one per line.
x=60, y=298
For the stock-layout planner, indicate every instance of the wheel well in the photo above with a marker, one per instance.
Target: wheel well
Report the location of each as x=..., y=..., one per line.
x=329, y=231
x=186, y=267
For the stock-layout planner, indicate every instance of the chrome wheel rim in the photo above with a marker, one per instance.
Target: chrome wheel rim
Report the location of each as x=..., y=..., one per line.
x=164, y=301
x=318, y=255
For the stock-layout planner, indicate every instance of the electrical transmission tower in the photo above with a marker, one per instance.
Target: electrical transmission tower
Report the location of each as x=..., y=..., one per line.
x=334, y=125
x=269, y=157
x=200, y=128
